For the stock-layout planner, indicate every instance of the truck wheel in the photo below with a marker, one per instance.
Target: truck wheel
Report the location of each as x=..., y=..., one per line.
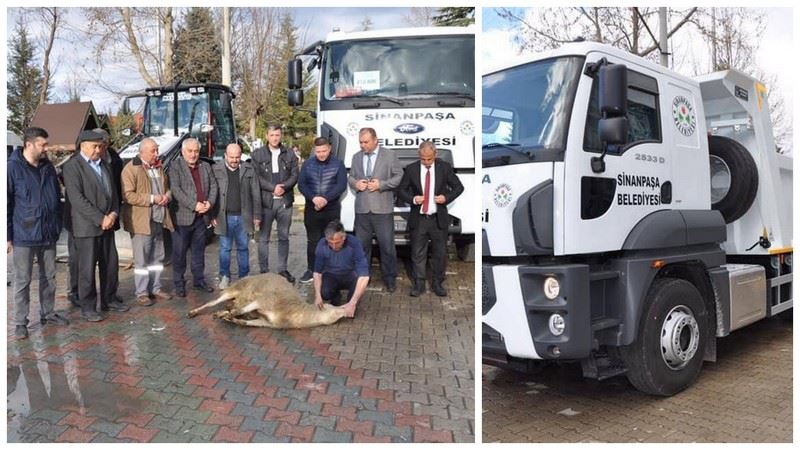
x=667, y=355
x=734, y=177
x=465, y=250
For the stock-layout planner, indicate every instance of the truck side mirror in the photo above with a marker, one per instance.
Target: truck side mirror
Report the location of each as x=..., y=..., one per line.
x=613, y=101
x=613, y=130
x=613, y=90
x=295, y=72
x=295, y=97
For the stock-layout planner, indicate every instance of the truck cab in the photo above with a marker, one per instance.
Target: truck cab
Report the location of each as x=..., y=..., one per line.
x=410, y=85
x=613, y=189
x=173, y=113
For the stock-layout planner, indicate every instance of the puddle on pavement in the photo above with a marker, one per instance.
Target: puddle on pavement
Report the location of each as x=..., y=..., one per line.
x=41, y=385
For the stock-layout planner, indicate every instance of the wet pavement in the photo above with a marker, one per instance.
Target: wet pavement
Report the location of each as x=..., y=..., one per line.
x=400, y=371
x=746, y=396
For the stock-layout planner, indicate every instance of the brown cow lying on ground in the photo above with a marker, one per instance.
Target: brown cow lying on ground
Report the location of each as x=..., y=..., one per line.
x=268, y=300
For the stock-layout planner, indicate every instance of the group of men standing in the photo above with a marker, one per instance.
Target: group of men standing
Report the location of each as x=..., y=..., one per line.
x=237, y=199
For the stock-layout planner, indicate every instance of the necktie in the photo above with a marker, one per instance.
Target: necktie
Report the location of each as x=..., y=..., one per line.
x=369, y=165
x=427, y=192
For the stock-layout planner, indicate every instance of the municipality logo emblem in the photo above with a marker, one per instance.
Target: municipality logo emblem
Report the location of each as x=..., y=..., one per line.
x=503, y=195
x=684, y=116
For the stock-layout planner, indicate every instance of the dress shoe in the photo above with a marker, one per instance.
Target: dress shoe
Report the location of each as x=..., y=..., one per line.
x=390, y=286
x=202, y=286
x=287, y=275
x=144, y=300
x=180, y=292
x=438, y=289
x=91, y=316
x=117, y=306
x=307, y=277
x=21, y=332
x=418, y=288
x=162, y=296
x=54, y=319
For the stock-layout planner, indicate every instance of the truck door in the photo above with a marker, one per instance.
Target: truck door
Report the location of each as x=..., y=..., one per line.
x=600, y=209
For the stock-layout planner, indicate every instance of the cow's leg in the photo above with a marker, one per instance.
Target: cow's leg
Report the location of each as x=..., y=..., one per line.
x=222, y=298
x=260, y=322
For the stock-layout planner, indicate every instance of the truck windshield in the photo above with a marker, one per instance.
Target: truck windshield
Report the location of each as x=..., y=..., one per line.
x=526, y=111
x=401, y=70
x=160, y=118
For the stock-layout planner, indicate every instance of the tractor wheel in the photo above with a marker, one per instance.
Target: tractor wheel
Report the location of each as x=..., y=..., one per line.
x=667, y=355
x=734, y=177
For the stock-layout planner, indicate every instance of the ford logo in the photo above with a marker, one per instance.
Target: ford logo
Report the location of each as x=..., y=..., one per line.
x=409, y=128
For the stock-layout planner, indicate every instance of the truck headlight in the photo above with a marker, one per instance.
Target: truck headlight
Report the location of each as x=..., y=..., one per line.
x=551, y=288
x=557, y=324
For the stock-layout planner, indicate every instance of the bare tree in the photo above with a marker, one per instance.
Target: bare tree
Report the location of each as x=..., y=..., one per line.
x=51, y=17
x=138, y=37
x=547, y=28
x=420, y=16
x=253, y=51
x=733, y=36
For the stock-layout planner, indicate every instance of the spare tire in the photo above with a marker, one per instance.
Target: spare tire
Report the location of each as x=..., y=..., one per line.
x=734, y=177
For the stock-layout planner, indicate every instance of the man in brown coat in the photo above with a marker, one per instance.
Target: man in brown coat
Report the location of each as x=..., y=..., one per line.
x=145, y=216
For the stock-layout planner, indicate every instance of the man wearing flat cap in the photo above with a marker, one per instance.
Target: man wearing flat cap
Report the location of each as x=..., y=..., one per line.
x=94, y=210
x=113, y=160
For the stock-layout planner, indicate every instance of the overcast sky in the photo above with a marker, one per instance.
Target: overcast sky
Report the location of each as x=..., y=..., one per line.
x=75, y=55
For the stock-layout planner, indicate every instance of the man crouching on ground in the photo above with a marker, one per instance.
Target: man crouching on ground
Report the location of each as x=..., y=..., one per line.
x=339, y=263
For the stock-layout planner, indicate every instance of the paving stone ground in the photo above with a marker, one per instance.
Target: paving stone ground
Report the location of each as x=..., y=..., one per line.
x=746, y=396
x=400, y=371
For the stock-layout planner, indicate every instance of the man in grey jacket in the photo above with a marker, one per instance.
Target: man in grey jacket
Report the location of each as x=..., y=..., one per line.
x=277, y=169
x=374, y=174
x=194, y=193
x=237, y=213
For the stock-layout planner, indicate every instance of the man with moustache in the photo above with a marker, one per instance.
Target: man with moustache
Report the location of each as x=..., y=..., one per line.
x=194, y=193
x=94, y=210
x=145, y=216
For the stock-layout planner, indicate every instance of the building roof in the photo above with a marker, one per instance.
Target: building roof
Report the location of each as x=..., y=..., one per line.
x=65, y=121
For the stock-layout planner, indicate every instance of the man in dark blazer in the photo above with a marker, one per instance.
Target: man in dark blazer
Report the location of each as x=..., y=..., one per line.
x=110, y=156
x=94, y=211
x=194, y=193
x=429, y=185
x=375, y=172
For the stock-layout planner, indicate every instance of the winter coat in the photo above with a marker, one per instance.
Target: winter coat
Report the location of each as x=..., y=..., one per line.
x=34, y=202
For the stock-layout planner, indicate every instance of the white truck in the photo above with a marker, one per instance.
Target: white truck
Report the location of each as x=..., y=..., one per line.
x=410, y=85
x=631, y=215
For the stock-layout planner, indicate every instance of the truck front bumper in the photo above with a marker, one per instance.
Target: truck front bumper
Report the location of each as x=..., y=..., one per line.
x=517, y=316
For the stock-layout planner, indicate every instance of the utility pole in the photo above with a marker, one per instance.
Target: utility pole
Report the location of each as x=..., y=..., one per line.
x=662, y=38
x=226, y=46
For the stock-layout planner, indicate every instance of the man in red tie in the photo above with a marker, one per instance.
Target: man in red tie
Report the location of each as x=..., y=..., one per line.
x=429, y=185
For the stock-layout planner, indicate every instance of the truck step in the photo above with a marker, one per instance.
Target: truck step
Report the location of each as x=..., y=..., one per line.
x=604, y=275
x=602, y=324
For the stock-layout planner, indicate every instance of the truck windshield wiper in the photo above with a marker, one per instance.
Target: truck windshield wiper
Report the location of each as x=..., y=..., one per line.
x=530, y=152
x=446, y=93
x=380, y=97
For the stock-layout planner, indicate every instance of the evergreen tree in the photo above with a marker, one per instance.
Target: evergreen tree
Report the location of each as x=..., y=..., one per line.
x=24, y=82
x=454, y=17
x=296, y=124
x=197, y=49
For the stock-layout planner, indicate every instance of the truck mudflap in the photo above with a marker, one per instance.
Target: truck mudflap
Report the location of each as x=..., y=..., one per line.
x=520, y=318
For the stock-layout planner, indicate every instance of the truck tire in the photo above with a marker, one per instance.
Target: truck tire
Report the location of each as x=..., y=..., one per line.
x=667, y=355
x=734, y=177
x=465, y=250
